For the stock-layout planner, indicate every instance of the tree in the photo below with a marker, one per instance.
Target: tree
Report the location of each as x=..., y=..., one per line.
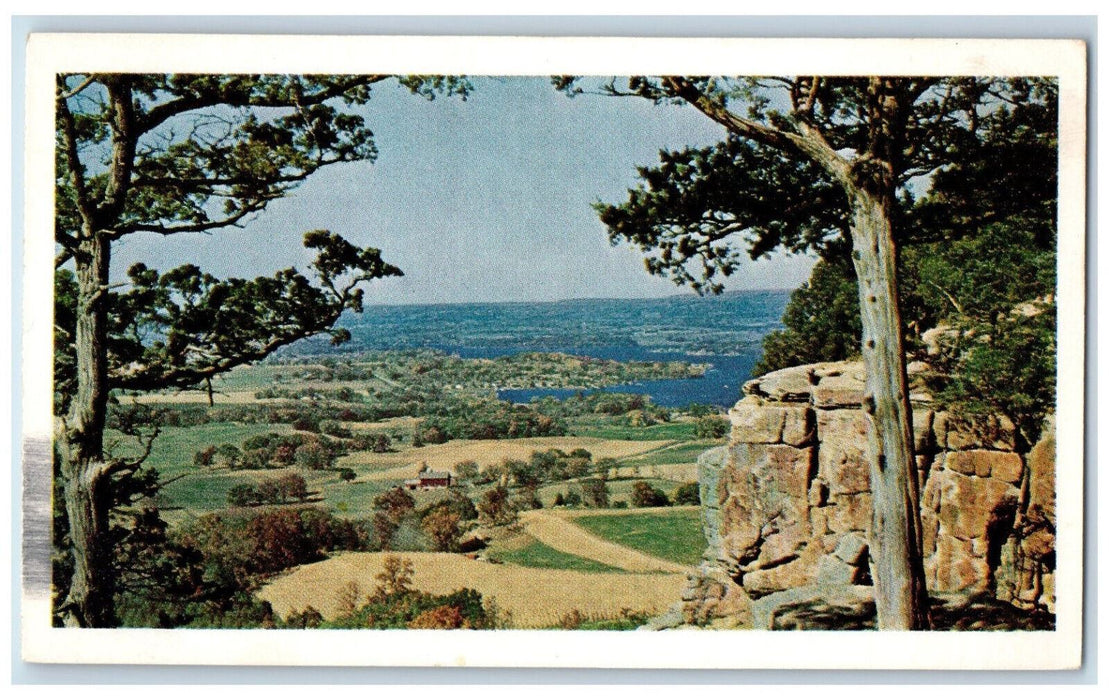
x=712, y=427
x=395, y=577
x=821, y=320
x=467, y=470
x=168, y=154
x=594, y=493
x=442, y=525
x=243, y=495
x=646, y=496
x=688, y=494
x=390, y=509
x=495, y=508
x=818, y=163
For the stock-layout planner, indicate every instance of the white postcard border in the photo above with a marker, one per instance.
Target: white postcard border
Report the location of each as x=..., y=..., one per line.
x=49, y=54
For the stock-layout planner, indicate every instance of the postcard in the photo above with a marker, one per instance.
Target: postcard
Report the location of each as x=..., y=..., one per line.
x=553, y=352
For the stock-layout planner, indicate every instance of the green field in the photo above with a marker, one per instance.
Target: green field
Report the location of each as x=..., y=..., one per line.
x=539, y=556
x=667, y=534
x=686, y=452
x=605, y=427
x=175, y=447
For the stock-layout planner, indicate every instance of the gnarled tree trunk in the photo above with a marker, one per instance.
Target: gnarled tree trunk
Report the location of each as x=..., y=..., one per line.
x=895, y=538
x=84, y=471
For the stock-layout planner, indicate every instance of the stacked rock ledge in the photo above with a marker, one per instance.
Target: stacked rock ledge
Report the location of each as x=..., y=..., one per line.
x=787, y=504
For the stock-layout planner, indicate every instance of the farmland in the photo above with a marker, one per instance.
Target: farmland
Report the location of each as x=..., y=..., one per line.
x=571, y=546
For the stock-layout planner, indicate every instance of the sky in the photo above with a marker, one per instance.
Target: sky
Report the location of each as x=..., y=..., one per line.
x=487, y=199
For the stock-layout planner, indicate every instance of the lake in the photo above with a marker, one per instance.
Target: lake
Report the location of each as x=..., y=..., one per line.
x=725, y=331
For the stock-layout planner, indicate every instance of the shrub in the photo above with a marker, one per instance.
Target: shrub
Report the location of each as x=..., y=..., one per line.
x=391, y=508
x=313, y=455
x=444, y=617
x=236, y=548
x=527, y=499
x=494, y=507
x=309, y=424
x=243, y=495
x=455, y=501
x=346, y=474
x=291, y=487
x=646, y=496
x=605, y=467
x=594, y=493
x=204, y=457
x=688, y=494
x=335, y=429
x=466, y=471
x=442, y=526
x=712, y=427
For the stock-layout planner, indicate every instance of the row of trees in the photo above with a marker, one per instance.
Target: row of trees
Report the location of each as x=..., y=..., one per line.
x=284, y=489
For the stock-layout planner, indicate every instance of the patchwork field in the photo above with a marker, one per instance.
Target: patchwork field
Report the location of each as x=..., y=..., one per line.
x=489, y=452
x=559, y=529
x=535, y=598
x=671, y=534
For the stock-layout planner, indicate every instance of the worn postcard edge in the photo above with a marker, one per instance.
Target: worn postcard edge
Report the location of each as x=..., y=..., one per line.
x=48, y=54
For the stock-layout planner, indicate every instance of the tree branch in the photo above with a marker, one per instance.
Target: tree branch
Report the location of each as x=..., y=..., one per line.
x=85, y=207
x=159, y=114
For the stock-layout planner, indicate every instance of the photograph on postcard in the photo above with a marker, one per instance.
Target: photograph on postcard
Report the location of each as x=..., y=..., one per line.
x=486, y=351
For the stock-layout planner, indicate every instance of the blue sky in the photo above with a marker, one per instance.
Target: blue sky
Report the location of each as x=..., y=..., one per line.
x=486, y=199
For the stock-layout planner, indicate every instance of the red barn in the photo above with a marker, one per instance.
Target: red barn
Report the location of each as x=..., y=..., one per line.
x=428, y=479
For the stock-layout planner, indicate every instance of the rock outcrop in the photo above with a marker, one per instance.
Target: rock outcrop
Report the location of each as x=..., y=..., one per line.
x=787, y=504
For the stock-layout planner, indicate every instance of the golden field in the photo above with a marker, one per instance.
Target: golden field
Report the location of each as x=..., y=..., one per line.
x=535, y=598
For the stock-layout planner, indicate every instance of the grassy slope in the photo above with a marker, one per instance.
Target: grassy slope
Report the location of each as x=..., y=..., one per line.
x=674, y=535
x=539, y=556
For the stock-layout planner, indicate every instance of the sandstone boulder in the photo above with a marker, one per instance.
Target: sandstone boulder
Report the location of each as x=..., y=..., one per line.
x=755, y=421
x=792, y=384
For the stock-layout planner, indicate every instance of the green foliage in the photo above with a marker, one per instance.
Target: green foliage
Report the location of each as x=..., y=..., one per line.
x=467, y=470
x=390, y=510
x=594, y=493
x=495, y=507
x=395, y=605
x=463, y=609
x=238, y=548
x=646, y=496
x=169, y=154
x=443, y=526
x=713, y=427
x=999, y=354
x=821, y=320
x=290, y=487
x=456, y=501
x=203, y=576
x=688, y=494
x=625, y=621
x=696, y=197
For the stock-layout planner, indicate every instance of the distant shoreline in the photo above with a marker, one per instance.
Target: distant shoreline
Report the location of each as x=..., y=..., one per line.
x=571, y=300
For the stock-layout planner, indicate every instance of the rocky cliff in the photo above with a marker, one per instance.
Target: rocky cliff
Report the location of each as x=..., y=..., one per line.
x=787, y=507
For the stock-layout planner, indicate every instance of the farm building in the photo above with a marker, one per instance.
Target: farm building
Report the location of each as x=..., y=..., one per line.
x=429, y=479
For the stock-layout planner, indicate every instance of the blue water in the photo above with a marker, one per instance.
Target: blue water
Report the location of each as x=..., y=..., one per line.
x=724, y=331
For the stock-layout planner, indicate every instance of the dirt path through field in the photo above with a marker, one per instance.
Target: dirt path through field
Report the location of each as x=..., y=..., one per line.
x=559, y=531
